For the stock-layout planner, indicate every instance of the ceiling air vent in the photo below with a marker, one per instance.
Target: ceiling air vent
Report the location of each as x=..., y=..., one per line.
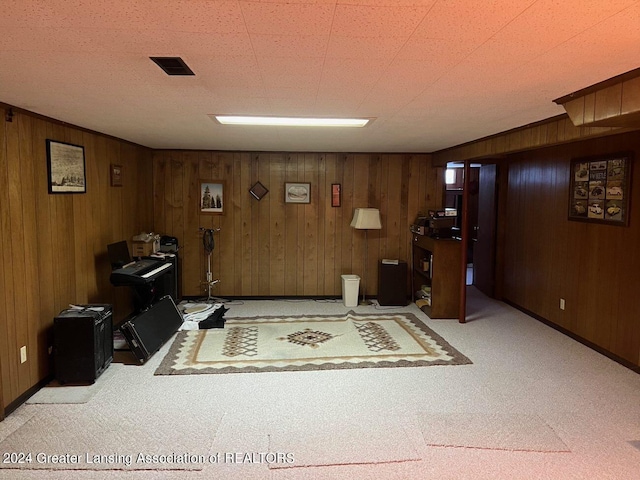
x=173, y=65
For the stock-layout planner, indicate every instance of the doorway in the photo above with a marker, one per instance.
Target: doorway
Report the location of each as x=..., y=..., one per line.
x=454, y=192
x=481, y=241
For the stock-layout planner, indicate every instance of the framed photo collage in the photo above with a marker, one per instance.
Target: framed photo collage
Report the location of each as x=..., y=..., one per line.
x=599, y=189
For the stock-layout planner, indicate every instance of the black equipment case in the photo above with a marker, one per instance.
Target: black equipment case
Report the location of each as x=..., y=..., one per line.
x=147, y=332
x=82, y=343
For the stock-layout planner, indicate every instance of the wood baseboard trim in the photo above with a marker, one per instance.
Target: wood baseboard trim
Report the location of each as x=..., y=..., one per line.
x=625, y=363
x=26, y=395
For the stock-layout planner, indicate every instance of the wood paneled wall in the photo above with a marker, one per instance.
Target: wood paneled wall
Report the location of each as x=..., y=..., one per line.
x=593, y=267
x=270, y=248
x=54, y=246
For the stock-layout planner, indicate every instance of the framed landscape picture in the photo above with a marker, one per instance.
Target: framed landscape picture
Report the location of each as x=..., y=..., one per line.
x=600, y=189
x=212, y=197
x=66, y=168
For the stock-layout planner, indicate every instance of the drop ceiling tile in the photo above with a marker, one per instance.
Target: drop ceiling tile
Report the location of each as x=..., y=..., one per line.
x=389, y=3
x=237, y=101
x=382, y=101
x=185, y=16
x=539, y=23
x=146, y=42
x=178, y=15
x=436, y=50
x=289, y=45
x=558, y=70
x=224, y=79
x=210, y=63
x=27, y=12
x=317, y=2
x=288, y=72
x=288, y=65
x=494, y=53
x=376, y=21
x=47, y=69
x=624, y=25
x=364, y=47
x=335, y=107
x=365, y=70
x=344, y=87
x=466, y=21
x=350, y=99
x=414, y=78
x=292, y=106
x=181, y=43
x=170, y=43
x=285, y=18
x=298, y=92
x=44, y=39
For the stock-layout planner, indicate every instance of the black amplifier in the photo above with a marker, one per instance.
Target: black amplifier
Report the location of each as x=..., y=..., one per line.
x=82, y=343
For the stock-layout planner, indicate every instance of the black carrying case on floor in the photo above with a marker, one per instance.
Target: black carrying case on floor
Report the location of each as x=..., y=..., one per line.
x=148, y=331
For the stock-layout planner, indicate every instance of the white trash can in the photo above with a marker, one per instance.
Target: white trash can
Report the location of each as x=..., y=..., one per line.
x=350, y=288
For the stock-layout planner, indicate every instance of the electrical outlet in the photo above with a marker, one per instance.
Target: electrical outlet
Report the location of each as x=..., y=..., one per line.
x=23, y=354
x=562, y=304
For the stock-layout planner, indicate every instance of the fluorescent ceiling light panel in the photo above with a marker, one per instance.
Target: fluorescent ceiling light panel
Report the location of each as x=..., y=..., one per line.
x=291, y=121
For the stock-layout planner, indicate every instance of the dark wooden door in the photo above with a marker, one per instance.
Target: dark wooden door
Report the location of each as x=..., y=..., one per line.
x=484, y=250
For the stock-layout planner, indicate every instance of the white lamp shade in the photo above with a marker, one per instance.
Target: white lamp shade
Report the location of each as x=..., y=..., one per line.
x=366, y=219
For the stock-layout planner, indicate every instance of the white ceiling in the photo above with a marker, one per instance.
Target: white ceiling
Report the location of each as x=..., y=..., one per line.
x=434, y=73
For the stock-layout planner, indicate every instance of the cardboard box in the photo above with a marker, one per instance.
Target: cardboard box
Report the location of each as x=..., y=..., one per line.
x=142, y=249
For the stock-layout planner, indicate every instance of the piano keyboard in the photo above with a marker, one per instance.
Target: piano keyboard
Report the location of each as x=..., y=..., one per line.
x=151, y=273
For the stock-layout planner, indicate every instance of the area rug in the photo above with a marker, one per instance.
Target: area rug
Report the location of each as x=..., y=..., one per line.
x=310, y=342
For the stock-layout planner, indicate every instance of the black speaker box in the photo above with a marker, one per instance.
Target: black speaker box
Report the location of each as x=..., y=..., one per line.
x=392, y=283
x=147, y=332
x=82, y=343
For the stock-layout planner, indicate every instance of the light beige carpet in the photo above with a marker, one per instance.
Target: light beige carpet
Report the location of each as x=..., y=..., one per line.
x=313, y=342
x=56, y=393
x=490, y=431
x=328, y=438
x=377, y=441
x=141, y=440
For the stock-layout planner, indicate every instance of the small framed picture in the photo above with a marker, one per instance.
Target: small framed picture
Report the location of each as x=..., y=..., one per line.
x=336, y=194
x=297, y=192
x=212, y=197
x=66, y=168
x=116, y=175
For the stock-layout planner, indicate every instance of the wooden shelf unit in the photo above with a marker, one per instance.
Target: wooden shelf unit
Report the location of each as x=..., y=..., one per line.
x=442, y=275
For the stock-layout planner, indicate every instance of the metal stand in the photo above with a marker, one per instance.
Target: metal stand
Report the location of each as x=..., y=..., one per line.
x=207, y=241
x=364, y=301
